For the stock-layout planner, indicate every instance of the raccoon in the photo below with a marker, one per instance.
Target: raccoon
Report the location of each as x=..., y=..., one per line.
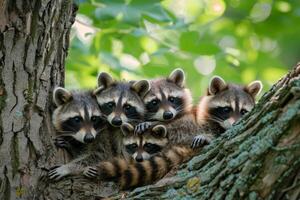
x=169, y=103
x=119, y=101
x=77, y=119
x=142, y=147
x=168, y=99
x=223, y=105
x=150, y=160
x=81, y=129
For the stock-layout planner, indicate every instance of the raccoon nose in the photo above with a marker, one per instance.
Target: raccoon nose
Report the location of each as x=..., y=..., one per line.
x=168, y=115
x=139, y=158
x=116, y=121
x=88, y=138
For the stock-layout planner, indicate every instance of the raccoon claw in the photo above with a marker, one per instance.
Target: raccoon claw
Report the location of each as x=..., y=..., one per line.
x=61, y=142
x=200, y=141
x=142, y=127
x=90, y=172
x=57, y=172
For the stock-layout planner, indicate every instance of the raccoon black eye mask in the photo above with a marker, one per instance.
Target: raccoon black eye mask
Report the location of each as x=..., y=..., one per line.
x=223, y=105
x=142, y=147
x=120, y=101
x=77, y=114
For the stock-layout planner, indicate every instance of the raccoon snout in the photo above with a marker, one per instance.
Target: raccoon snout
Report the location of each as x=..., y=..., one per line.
x=168, y=115
x=88, y=138
x=116, y=121
x=139, y=158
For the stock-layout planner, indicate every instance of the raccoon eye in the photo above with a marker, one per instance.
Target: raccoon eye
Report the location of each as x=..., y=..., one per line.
x=111, y=104
x=243, y=111
x=95, y=119
x=77, y=119
x=172, y=99
x=131, y=148
x=108, y=107
x=152, y=148
x=127, y=107
x=226, y=109
x=149, y=145
x=154, y=102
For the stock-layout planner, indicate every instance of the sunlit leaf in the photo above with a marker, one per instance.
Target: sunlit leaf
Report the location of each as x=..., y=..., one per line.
x=135, y=39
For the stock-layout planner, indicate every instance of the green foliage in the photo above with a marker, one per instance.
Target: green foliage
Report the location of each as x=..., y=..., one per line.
x=133, y=39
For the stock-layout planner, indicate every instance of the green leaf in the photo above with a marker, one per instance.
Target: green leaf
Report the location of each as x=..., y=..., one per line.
x=191, y=42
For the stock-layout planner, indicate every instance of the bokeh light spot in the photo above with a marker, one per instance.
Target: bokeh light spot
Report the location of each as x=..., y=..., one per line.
x=260, y=11
x=205, y=64
x=283, y=6
x=129, y=61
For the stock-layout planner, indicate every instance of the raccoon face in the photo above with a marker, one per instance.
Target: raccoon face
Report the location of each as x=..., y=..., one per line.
x=77, y=115
x=167, y=98
x=227, y=103
x=142, y=147
x=121, y=102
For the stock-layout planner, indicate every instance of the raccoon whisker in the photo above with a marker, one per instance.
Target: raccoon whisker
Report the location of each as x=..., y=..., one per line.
x=221, y=120
x=217, y=117
x=180, y=109
x=211, y=119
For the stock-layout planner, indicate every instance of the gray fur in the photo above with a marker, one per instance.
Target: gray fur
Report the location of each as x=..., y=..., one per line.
x=106, y=144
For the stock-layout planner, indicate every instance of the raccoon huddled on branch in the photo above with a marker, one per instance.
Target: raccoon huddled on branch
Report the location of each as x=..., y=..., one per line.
x=150, y=126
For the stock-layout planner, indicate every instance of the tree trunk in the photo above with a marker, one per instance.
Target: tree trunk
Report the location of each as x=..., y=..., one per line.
x=259, y=158
x=34, y=41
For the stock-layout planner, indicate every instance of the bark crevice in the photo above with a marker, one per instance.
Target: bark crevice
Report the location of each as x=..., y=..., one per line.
x=29, y=29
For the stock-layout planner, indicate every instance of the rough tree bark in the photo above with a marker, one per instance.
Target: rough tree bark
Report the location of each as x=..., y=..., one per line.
x=257, y=159
x=34, y=40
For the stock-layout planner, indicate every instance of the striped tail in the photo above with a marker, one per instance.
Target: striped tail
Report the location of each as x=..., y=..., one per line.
x=131, y=175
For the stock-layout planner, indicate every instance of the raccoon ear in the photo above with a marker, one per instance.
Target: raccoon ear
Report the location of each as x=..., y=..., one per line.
x=216, y=85
x=61, y=96
x=105, y=80
x=98, y=90
x=254, y=88
x=141, y=87
x=177, y=76
x=160, y=131
x=127, y=129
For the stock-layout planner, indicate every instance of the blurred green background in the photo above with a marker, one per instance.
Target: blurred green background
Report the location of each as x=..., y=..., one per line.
x=132, y=39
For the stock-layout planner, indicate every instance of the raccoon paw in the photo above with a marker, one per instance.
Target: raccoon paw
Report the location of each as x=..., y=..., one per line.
x=60, y=142
x=90, y=172
x=142, y=127
x=58, y=172
x=200, y=141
